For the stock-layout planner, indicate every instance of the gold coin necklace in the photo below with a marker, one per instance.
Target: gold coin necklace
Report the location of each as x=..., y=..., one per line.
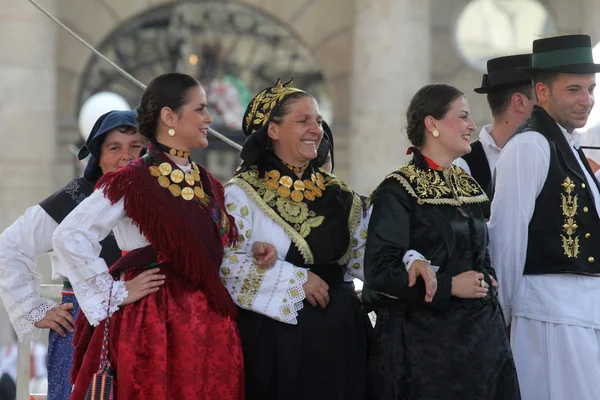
x=298, y=189
x=170, y=178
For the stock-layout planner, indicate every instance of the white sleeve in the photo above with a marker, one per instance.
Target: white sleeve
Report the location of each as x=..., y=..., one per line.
x=460, y=162
x=77, y=245
x=521, y=172
x=275, y=292
x=411, y=256
x=27, y=238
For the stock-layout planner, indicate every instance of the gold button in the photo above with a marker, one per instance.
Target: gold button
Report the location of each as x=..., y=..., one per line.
x=583, y=185
x=585, y=209
x=591, y=259
x=588, y=235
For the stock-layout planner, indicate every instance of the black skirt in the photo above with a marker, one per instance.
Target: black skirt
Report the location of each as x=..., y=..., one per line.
x=323, y=357
x=459, y=354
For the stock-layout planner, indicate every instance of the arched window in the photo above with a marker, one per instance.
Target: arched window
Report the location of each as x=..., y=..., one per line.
x=233, y=49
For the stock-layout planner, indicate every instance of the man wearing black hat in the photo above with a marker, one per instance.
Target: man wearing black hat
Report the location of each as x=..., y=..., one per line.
x=113, y=142
x=544, y=227
x=511, y=99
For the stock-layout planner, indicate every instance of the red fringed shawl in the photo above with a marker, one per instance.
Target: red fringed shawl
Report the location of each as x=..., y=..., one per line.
x=177, y=229
x=181, y=233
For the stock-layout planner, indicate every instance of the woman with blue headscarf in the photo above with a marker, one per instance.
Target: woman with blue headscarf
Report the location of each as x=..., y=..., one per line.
x=112, y=143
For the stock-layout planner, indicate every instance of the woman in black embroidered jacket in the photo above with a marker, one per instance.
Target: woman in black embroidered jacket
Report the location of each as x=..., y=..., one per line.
x=450, y=343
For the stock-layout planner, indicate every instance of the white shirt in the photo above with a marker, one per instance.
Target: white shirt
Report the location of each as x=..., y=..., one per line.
x=27, y=238
x=521, y=172
x=277, y=291
x=491, y=150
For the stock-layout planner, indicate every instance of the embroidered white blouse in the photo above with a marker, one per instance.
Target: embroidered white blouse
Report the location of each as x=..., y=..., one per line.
x=275, y=292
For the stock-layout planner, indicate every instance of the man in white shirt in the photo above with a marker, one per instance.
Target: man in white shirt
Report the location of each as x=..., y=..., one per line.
x=544, y=227
x=511, y=99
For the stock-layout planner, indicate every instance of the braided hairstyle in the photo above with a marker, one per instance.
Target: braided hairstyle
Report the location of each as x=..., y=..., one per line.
x=167, y=90
x=431, y=100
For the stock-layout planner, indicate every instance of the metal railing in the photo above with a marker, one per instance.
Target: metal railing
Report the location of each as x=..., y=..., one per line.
x=52, y=292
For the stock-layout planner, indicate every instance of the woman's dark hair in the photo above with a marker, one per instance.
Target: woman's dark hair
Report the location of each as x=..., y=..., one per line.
x=127, y=129
x=283, y=109
x=167, y=90
x=434, y=100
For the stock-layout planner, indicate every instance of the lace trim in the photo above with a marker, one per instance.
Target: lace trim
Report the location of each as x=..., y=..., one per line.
x=100, y=285
x=292, y=301
x=119, y=294
x=25, y=324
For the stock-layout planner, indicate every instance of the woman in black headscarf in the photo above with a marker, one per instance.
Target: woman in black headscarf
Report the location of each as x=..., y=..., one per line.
x=303, y=333
x=113, y=141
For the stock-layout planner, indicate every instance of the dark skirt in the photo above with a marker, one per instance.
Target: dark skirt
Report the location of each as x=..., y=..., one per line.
x=459, y=354
x=323, y=357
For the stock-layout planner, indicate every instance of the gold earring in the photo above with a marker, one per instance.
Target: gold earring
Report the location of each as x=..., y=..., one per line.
x=171, y=132
x=435, y=133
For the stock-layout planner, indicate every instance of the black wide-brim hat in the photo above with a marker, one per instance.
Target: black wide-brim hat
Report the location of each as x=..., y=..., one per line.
x=569, y=54
x=503, y=73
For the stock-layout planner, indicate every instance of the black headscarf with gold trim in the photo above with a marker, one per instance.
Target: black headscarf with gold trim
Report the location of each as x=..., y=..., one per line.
x=259, y=114
x=318, y=210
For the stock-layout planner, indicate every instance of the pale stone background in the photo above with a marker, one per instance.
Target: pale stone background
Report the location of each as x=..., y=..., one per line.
x=374, y=54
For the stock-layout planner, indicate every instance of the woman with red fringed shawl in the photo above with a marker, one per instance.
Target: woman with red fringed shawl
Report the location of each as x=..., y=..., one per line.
x=177, y=336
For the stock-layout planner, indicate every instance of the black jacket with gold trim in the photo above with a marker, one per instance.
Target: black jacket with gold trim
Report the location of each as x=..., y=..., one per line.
x=565, y=225
x=437, y=213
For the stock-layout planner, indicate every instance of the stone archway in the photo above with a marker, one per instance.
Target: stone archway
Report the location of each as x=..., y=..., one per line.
x=326, y=43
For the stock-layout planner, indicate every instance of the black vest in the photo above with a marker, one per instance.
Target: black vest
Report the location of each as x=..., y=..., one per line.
x=565, y=228
x=63, y=201
x=480, y=171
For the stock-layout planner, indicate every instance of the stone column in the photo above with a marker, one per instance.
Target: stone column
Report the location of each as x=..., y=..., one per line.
x=391, y=61
x=27, y=112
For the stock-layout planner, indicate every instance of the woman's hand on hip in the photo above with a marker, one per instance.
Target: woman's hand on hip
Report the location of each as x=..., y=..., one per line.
x=142, y=285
